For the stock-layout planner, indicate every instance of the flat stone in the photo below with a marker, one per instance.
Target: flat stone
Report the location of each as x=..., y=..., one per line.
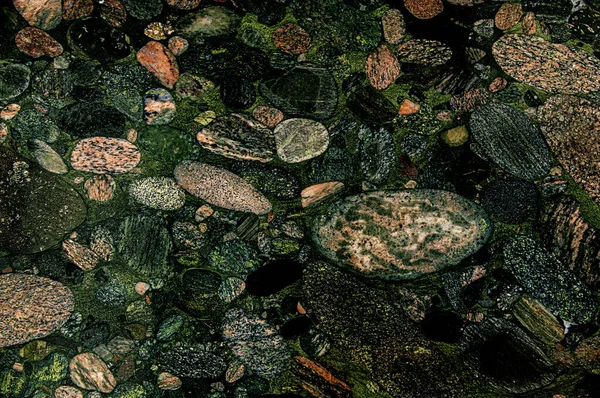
x=48, y=158
x=103, y=155
x=538, y=320
x=268, y=116
x=237, y=137
x=548, y=66
x=382, y=67
x=160, y=62
x=220, y=187
x=35, y=42
x=508, y=16
x=292, y=39
x=511, y=140
x=113, y=12
x=401, y=234
x=90, y=372
x=32, y=307
x=14, y=80
x=315, y=194
x=100, y=187
x=44, y=14
x=394, y=27
x=528, y=24
x=159, y=106
x=407, y=107
x=298, y=140
x=77, y=9
x=168, y=382
x=424, y=9
x=424, y=52
x=158, y=193
x=184, y=4
x=178, y=45
x=208, y=22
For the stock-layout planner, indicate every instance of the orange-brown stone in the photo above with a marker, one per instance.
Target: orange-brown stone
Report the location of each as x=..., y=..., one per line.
x=35, y=43
x=160, y=62
x=76, y=9
x=408, y=107
x=424, y=9
x=382, y=67
x=292, y=39
x=103, y=155
x=508, y=15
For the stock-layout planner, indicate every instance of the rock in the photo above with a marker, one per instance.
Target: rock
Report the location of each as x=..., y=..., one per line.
x=547, y=66
x=184, y=4
x=67, y=392
x=51, y=371
x=53, y=84
x=394, y=27
x=159, y=106
x=158, y=193
x=192, y=362
x=587, y=353
x=94, y=39
x=158, y=31
x=377, y=153
x=32, y=307
x=509, y=200
x=35, y=43
x=238, y=93
x=178, y=45
x=113, y=12
x=220, y=187
x=14, y=80
x=382, y=67
x=129, y=102
x=456, y=136
x=291, y=39
x=538, y=320
x=407, y=107
x=508, y=16
x=208, y=22
x=529, y=24
x=272, y=182
x=45, y=14
x=35, y=350
x=546, y=279
x=143, y=9
x=169, y=327
x=12, y=110
x=268, y=116
x=231, y=288
x=570, y=125
x=235, y=258
x=160, y=62
x=80, y=255
x=511, y=140
x=31, y=124
x=77, y=9
x=145, y=245
x=236, y=137
x=100, y=188
x=103, y=155
x=37, y=209
x=192, y=86
x=256, y=343
x=370, y=105
x=469, y=101
x=424, y=9
x=305, y=91
x=315, y=194
x=424, y=52
x=401, y=234
x=168, y=382
x=88, y=119
x=112, y=293
x=90, y=372
x=48, y=158
x=298, y=140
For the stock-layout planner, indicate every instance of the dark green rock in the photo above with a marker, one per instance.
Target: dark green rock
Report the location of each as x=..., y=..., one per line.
x=169, y=327
x=30, y=124
x=377, y=153
x=14, y=80
x=192, y=362
x=371, y=105
x=143, y=9
x=273, y=182
x=53, y=83
x=94, y=39
x=128, y=101
x=511, y=201
x=113, y=293
x=88, y=119
x=238, y=93
x=234, y=258
x=197, y=293
x=208, y=22
x=509, y=95
x=169, y=145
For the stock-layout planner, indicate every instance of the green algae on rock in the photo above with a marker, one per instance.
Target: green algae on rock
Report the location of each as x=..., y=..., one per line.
x=401, y=234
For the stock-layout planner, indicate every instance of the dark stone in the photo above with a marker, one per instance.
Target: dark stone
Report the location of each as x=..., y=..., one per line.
x=85, y=119
x=234, y=258
x=128, y=76
x=30, y=124
x=53, y=83
x=192, y=362
x=532, y=99
x=511, y=201
x=377, y=153
x=96, y=40
x=509, y=95
x=252, y=37
x=238, y=93
x=442, y=326
x=113, y=293
x=295, y=327
x=272, y=277
x=371, y=105
x=335, y=164
x=14, y=80
x=94, y=335
x=269, y=12
x=143, y=9
x=273, y=182
x=549, y=10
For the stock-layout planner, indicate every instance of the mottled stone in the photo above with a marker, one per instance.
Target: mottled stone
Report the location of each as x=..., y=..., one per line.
x=401, y=234
x=44, y=14
x=35, y=42
x=184, y=4
x=192, y=362
x=90, y=372
x=407, y=107
x=237, y=137
x=291, y=39
x=394, y=27
x=167, y=381
x=424, y=52
x=77, y=9
x=498, y=84
x=208, y=22
x=48, y=158
x=511, y=140
x=178, y=45
x=538, y=320
x=12, y=110
x=547, y=66
x=90, y=119
x=159, y=106
x=510, y=200
x=100, y=188
x=298, y=140
x=67, y=392
x=571, y=126
x=377, y=153
x=143, y=9
x=14, y=80
x=470, y=100
x=92, y=38
x=508, y=15
x=424, y=9
x=382, y=67
x=158, y=193
x=103, y=155
x=231, y=288
x=588, y=353
x=273, y=182
x=32, y=307
x=316, y=194
x=456, y=136
x=113, y=12
x=192, y=86
x=160, y=62
x=80, y=255
x=528, y=23
x=268, y=116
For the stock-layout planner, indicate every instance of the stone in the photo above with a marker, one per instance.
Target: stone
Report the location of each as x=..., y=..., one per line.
x=234, y=258
x=382, y=67
x=208, y=22
x=538, y=320
x=298, y=140
x=401, y=234
x=570, y=125
x=161, y=193
x=141, y=288
x=529, y=24
x=92, y=38
x=32, y=307
x=546, y=279
x=256, y=343
x=292, y=39
x=238, y=93
x=231, y=288
x=80, y=255
x=143, y=9
x=498, y=84
x=67, y=392
x=304, y=91
x=370, y=105
x=48, y=158
x=456, y=136
x=14, y=80
x=12, y=110
x=103, y=155
x=100, y=188
x=508, y=16
x=587, y=353
x=510, y=200
x=394, y=27
x=159, y=106
x=192, y=362
x=88, y=119
x=268, y=116
x=44, y=14
x=168, y=382
x=424, y=52
x=90, y=372
x=220, y=187
x=469, y=101
x=376, y=152
x=160, y=62
x=178, y=45
x=316, y=194
x=77, y=9
x=37, y=209
x=548, y=66
x=273, y=182
x=407, y=107
x=35, y=43
x=169, y=327
x=424, y=9
x=113, y=12
x=158, y=31
x=192, y=86
x=112, y=294
x=511, y=140
x=184, y=4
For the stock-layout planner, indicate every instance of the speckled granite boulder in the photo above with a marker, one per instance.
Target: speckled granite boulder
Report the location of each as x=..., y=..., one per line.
x=103, y=155
x=32, y=307
x=401, y=234
x=158, y=193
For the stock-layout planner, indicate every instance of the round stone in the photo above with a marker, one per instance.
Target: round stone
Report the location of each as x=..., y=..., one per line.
x=159, y=106
x=158, y=193
x=35, y=42
x=292, y=39
x=14, y=80
x=298, y=140
x=424, y=9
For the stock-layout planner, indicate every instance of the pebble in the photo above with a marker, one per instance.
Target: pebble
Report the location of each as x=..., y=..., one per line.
x=80, y=255
x=456, y=136
x=203, y=212
x=498, y=84
x=48, y=158
x=394, y=27
x=298, y=140
x=32, y=307
x=67, y=392
x=90, y=372
x=529, y=24
x=158, y=31
x=3, y=132
x=77, y=9
x=292, y=39
x=508, y=15
x=159, y=107
x=231, y=288
x=209, y=22
x=161, y=193
x=184, y=4
x=10, y=111
x=267, y=115
x=89, y=119
x=100, y=188
x=382, y=67
x=113, y=12
x=44, y=14
x=220, y=187
x=102, y=155
x=316, y=194
x=538, y=320
x=407, y=107
x=94, y=39
x=168, y=382
x=424, y=9
x=35, y=43
x=424, y=52
x=192, y=362
x=432, y=230
x=141, y=288
x=160, y=62
x=235, y=371
x=14, y=80
x=178, y=45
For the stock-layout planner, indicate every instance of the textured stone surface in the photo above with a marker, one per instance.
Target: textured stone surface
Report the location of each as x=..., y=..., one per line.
x=424, y=9
x=508, y=16
x=76, y=9
x=35, y=42
x=291, y=39
x=377, y=153
x=394, y=27
x=90, y=372
x=382, y=67
x=220, y=187
x=508, y=138
x=401, y=234
x=159, y=106
x=14, y=80
x=548, y=66
x=538, y=320
x=192, y=362
x=160, y=62
x=424, y=52
x=100, y=187
x=184, y=4
x=90, y=119
x=32, y=307
x=315, y=194
x=45, y=14
x=48, y=158
x=208, y=22
x=298, y=140
x=158, y=193
x=103, y=155
x=268, y=116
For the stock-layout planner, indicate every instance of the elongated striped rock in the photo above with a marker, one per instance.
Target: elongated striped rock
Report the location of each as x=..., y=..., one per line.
x=103, y=155
x=401, y=234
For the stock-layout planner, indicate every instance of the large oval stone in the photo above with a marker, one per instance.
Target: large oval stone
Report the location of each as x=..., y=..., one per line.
x=103, y=155
x=32, y=307
x=401, y=234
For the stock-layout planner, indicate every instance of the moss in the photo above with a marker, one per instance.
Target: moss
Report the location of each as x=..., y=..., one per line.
x=12, y=383
x=52, y=370
x=285, y=247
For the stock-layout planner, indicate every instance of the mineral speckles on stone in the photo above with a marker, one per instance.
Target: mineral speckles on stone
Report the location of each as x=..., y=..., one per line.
x=184, y=4
x=424, y=52
x=511, y=140
x=48, y=158
x=35, y=42
x=160, y=62
x=394, y=28
x=178, y=45
x=76, y=9
x=80, y=255
x=159, y=106
x=315, y=194
x=548, y=66
x=268, y=116
x=103, y=155
x=382, y=67
x=291, y=39
x=424, y=9
x=90, y=372
x=298, y=140
x=100, y=188
x=45, y=14
x=402, y=234
x=14, y=80
x=508, y=16
x=32, y=307
x=220, y=187
x=158, y=193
